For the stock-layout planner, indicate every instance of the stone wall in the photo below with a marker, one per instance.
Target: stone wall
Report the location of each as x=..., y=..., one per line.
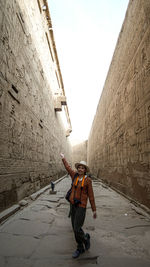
x=32, y=133
x=119, y=141
x=79, y=152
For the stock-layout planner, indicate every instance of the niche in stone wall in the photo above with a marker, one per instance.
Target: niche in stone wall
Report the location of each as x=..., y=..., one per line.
x=13, y=91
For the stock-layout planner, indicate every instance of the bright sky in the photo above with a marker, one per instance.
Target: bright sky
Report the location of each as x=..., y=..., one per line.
x=85, y=32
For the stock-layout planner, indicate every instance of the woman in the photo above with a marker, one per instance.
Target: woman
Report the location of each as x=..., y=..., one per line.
x=81, y=191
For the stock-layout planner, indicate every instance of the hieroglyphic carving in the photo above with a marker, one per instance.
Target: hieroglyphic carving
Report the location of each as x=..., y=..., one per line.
x=145, y=60
x=20, y=72
x=148, y=115
x=1, y=91
x=128, y=122
x=28, y=73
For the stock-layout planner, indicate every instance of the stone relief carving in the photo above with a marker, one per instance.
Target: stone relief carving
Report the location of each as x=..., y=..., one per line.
x=20, y=72
x=148, y=115
x=1, y=90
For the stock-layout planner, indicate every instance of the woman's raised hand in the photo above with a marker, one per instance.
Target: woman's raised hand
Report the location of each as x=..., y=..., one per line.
x=62, y=155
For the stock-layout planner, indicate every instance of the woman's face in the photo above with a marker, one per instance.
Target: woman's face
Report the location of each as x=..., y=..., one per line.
x=81, y=170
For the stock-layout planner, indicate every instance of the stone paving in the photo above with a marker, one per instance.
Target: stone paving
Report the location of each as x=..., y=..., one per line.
x=40, y=235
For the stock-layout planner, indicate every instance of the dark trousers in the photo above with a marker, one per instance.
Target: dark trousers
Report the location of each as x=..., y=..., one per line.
x=77, y=219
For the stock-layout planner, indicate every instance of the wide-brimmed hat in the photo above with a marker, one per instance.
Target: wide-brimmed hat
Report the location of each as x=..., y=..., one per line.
x=83, y=163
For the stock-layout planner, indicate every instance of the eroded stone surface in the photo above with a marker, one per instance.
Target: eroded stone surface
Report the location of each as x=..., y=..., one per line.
x=31, y=132
x=119, y=141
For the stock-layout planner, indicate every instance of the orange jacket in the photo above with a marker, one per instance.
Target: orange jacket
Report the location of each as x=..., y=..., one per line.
x=78, y=193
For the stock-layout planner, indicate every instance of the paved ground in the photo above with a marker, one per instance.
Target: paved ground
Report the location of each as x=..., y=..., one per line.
x=40, y=235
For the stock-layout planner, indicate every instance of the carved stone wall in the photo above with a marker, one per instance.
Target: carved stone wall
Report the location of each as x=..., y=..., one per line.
x=32, y=134
x=119, y=142
x=79, y=152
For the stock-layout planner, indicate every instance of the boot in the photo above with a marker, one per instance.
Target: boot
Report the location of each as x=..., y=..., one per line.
x=77, y=253
x=87, y=241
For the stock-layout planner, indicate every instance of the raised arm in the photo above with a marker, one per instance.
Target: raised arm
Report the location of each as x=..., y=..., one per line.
x=67, y=166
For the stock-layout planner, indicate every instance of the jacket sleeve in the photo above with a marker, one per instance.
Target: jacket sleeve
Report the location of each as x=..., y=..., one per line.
x=91, y=195
x=68, y=168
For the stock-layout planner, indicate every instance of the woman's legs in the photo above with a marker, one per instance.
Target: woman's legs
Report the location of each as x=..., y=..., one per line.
x=77, y=219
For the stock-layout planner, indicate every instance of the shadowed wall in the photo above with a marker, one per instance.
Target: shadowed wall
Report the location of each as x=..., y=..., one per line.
x=32, y=133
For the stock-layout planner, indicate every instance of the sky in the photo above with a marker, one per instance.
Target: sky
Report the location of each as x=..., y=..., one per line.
x=86, y=33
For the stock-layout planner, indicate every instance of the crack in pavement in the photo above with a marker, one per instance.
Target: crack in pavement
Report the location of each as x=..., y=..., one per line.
x=142, y=225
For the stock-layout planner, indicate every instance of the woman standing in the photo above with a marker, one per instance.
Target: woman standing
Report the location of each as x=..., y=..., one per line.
x=81, y=191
